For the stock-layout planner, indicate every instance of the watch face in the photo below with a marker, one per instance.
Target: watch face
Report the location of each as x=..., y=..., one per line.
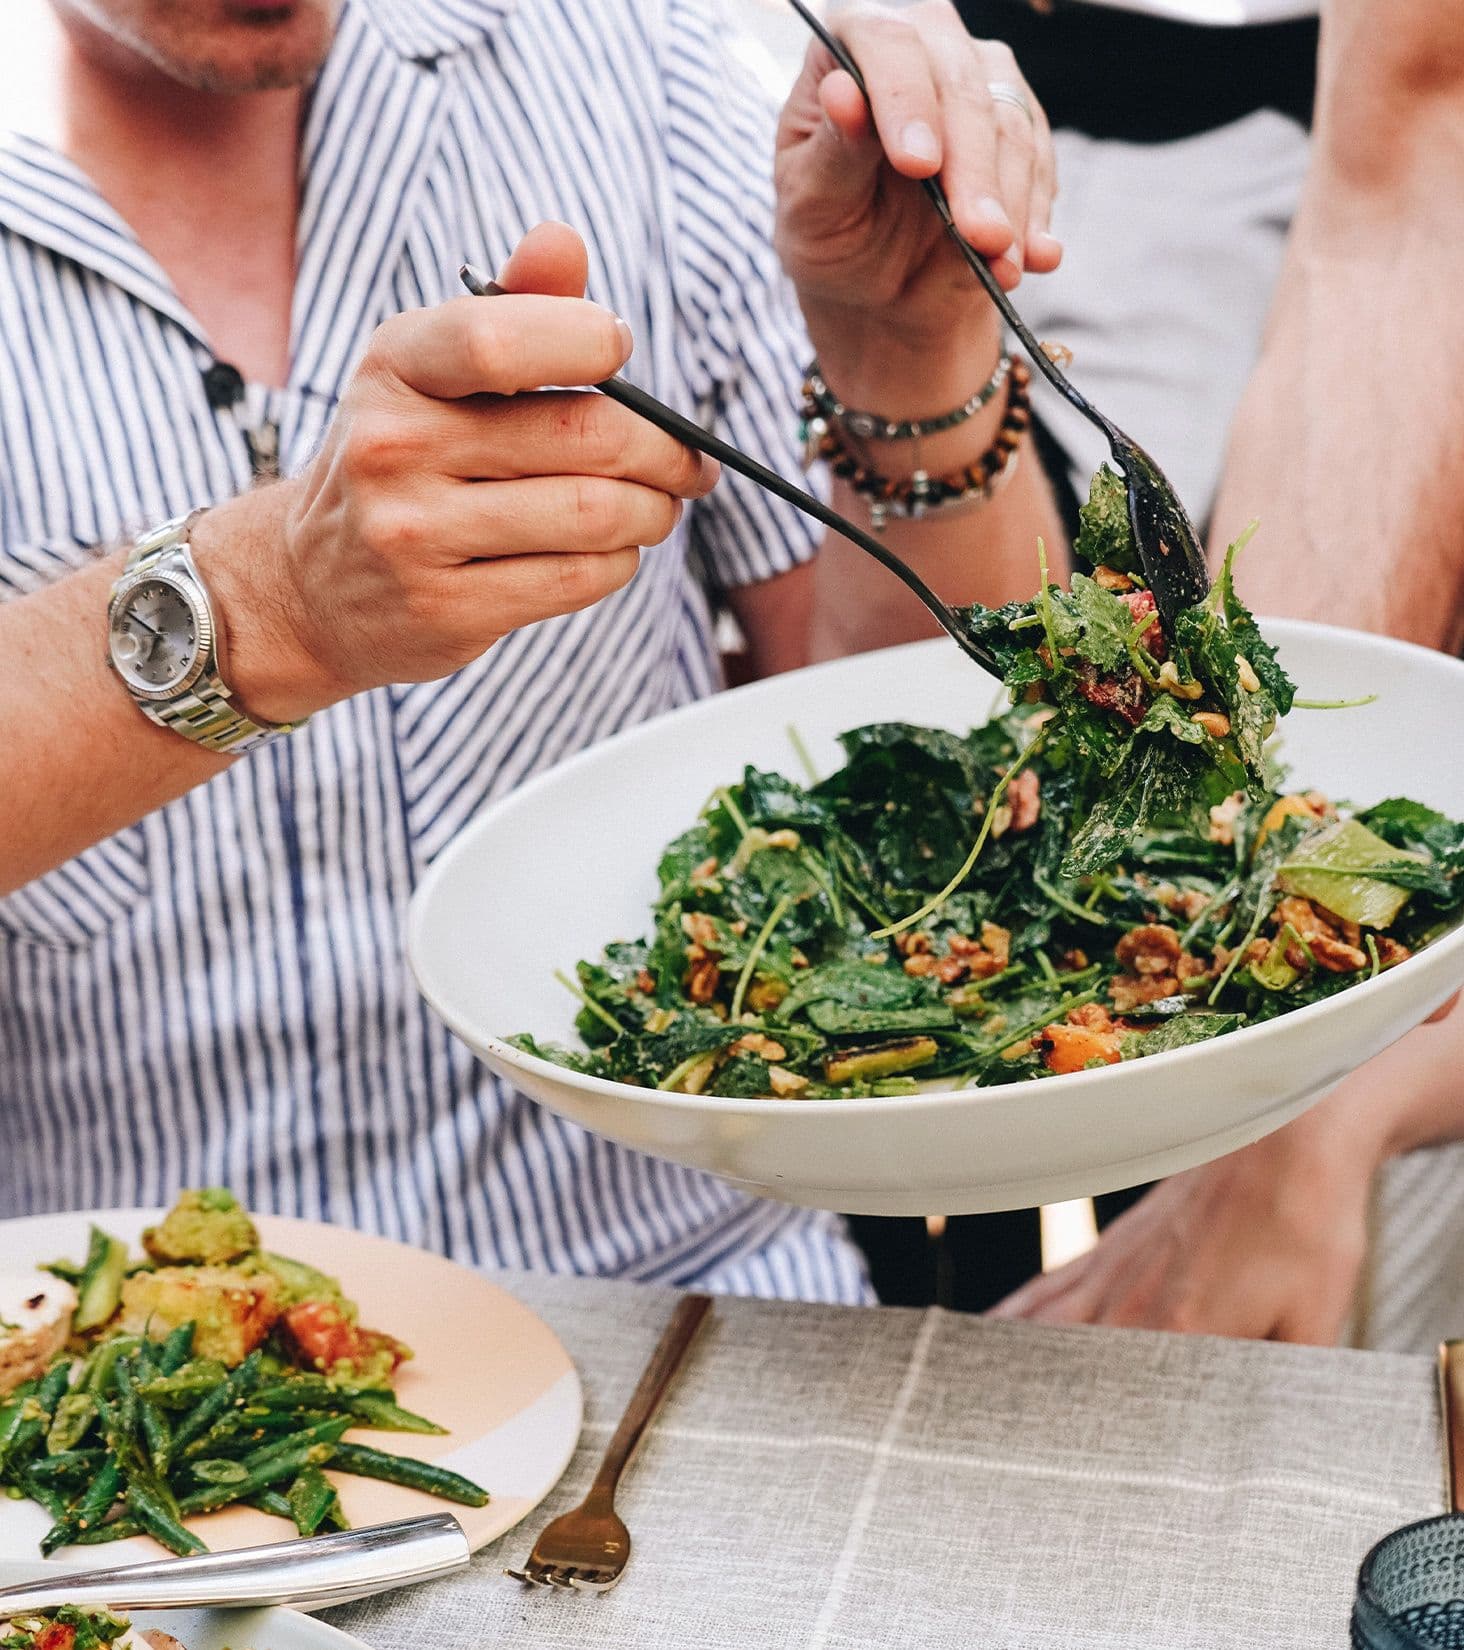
x=155, y=638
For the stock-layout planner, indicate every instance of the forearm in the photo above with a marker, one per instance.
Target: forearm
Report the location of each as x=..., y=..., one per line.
x=1407, y=1098
x=984, y=552
x=78, y=760
x=1349, y=444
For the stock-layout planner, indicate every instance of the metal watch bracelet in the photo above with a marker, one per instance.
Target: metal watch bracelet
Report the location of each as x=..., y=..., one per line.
x=205, y=712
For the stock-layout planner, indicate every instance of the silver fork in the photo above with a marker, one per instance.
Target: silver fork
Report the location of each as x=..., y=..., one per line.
x=589, y=1547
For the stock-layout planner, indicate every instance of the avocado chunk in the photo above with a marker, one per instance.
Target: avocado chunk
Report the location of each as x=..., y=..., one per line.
x=299, y=1282
x=203, y=1228
x=862, y=1065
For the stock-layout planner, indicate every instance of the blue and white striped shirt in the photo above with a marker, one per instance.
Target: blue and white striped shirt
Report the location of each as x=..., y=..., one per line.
x=218, y=994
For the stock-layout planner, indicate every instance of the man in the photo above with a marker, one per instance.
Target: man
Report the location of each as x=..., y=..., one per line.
x=205, y=256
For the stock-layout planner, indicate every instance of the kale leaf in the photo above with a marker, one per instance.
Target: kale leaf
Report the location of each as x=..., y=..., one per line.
x=1105, y=534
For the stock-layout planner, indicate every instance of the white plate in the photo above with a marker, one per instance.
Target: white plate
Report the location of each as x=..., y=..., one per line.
x=554, y=871
x=486, y=1368
x=262, y=1629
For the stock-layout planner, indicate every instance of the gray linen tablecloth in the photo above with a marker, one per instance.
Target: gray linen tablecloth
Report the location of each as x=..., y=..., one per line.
x=828, y=1478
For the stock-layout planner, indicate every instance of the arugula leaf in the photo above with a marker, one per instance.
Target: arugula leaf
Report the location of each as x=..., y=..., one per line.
x=1166, y=715
x=681, y=857
x=855, y=985
x=1178, y=1032
x=1155, y=782
x=1411, y=825
x=573, y=1059
x=1103, y=623
x=995, y=629
x=738, y=1076
x=1105, y=534
x=771, y=800
x=1213, y=655
x=654, y=1055
x=1247, y=635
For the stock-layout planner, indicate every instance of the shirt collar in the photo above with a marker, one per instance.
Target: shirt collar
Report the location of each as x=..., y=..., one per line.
x=45, y=199
x=436, y=28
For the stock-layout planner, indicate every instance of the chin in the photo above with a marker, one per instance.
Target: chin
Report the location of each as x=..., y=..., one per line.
x=228, y=46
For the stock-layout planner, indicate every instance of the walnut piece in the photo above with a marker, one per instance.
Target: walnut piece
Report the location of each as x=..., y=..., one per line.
x=1150, y=949
x=1223, y=817
x=1023, y=797
x=756, y=1042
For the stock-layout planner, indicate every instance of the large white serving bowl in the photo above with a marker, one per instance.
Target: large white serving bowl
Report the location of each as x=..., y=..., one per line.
x=551, y=873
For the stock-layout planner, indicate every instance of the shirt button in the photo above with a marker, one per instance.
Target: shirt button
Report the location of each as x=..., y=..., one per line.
x=223, y=384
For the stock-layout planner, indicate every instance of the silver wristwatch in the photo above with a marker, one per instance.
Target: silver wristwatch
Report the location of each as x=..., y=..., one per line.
x=164, y=643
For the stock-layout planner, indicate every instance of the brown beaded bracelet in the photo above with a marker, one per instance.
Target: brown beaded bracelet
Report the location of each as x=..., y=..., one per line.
x=916, y=495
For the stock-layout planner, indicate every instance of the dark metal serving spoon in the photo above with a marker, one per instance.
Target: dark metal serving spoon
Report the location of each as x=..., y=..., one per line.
x=693, y=435
x=1169, y=548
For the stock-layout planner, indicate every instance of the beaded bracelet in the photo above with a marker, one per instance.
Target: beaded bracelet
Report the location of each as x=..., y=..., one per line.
x=868, y=426
x=919, y=493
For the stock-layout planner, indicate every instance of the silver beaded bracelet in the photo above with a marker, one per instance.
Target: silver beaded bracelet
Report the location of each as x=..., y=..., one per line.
x=867, y=426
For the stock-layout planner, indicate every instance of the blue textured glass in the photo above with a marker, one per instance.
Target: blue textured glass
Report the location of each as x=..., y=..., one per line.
x=1410, y=1590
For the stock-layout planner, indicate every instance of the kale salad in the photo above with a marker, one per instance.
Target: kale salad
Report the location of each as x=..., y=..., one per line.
x=1111, y=868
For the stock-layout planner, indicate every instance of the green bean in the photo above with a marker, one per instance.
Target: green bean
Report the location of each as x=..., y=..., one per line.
x=231, y=1391
x=176, y=1350
x=53, y=1386
x=323, y=1432
x=160, y=1521
x=88, y=1514
x=75, y=1413
x=273, y=1503
x=386, y=1415
x=366, y=1462
x=120, y=1529
x=96, y=1372
x=234, y=1433
x=125, y=1416
x=193, y=1379
x=284, y=1420
x=247, y=1429
x=219, y=1472
x=46, y=1494
x=311, y=1498
x=157, y=1434
x=67, y=1464
x=272, y=1472
x=300, y=1392
x=12, y=1418
x=28, y=1438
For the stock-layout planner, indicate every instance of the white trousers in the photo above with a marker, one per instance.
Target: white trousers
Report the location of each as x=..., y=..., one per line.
x=1172, y=252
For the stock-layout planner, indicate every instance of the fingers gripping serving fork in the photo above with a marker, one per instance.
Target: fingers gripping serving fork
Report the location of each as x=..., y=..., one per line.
x=589, y=1547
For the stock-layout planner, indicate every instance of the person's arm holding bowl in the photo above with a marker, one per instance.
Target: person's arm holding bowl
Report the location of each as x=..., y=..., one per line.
x=1349, y=449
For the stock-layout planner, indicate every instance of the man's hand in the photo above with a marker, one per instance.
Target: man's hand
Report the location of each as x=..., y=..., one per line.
x=1267, y=1243
x=447, y=507
x=855, y=231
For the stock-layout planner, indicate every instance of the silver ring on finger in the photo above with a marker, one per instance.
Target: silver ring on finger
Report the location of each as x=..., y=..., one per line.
x=1007, y=91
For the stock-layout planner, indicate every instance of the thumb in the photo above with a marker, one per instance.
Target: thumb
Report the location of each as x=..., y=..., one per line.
x=840, y=155
x=551, y=259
